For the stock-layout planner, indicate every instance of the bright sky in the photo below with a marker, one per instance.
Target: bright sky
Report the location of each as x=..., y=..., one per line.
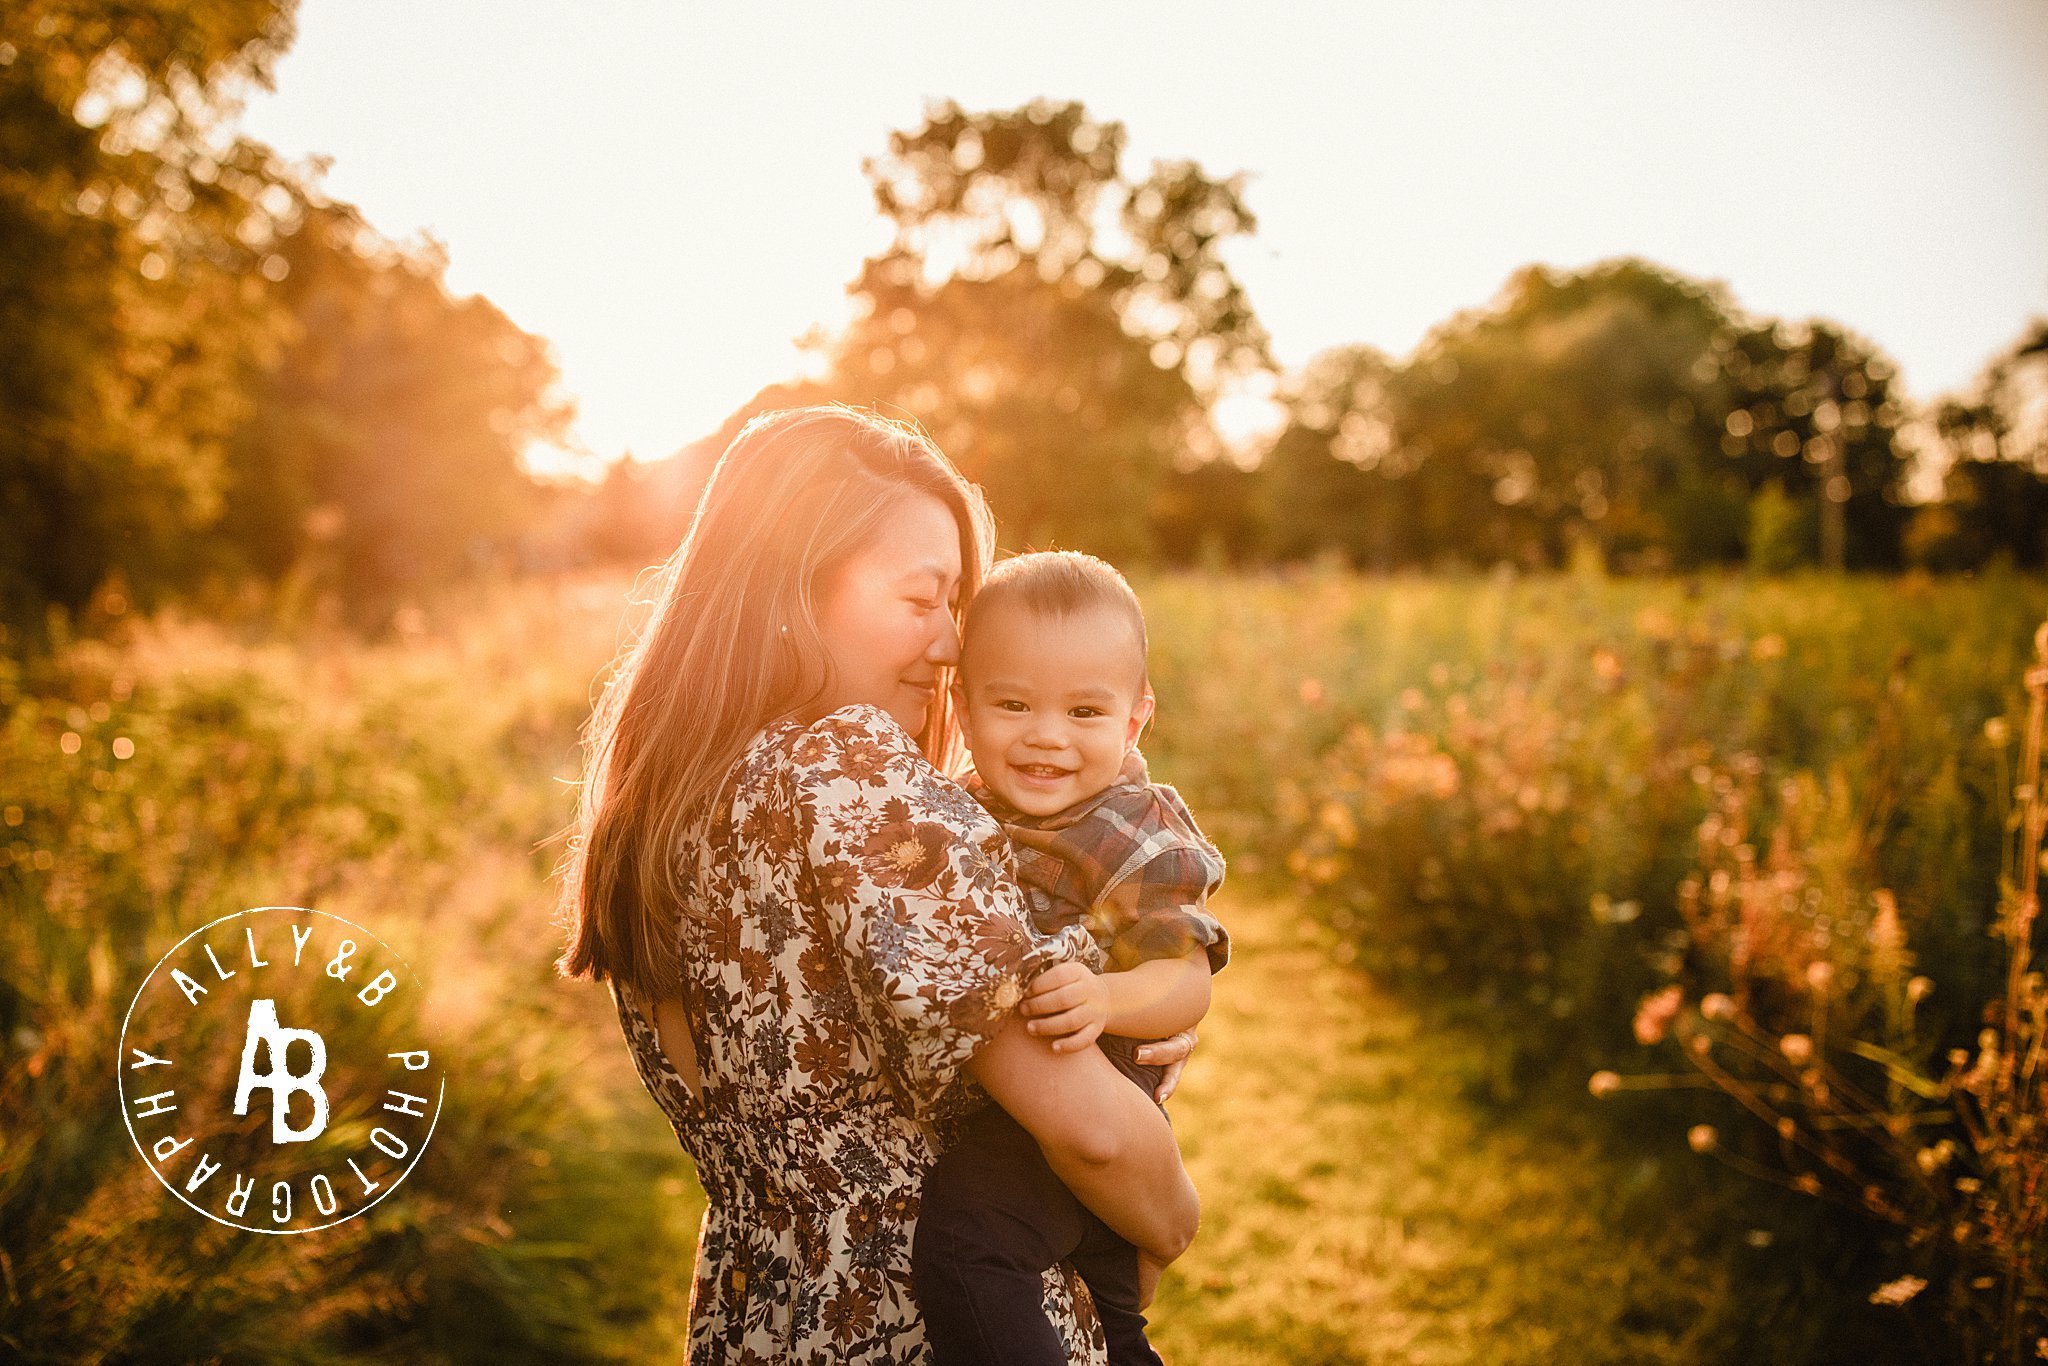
x=671, y=192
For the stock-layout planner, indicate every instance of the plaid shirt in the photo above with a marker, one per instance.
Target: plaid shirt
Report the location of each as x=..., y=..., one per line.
x=1129, y=863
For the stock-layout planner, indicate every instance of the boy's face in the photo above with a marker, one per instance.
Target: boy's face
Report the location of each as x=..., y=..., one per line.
x=1052, y=705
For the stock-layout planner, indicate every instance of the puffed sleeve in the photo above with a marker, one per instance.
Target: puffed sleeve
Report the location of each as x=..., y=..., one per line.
x=1160, y=871
x=913, y=879
x=1162, y=910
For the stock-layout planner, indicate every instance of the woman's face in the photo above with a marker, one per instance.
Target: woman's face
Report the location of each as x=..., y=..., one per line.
x=887, y=614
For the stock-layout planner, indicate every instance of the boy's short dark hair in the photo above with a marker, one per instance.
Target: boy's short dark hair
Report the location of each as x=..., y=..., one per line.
x=1056, y=583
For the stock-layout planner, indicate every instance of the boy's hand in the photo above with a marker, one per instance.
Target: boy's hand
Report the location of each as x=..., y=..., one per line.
x=1069, y=1005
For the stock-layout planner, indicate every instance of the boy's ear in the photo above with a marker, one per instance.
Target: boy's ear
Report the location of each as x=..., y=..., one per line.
x=1141, y=717
x=959, y=694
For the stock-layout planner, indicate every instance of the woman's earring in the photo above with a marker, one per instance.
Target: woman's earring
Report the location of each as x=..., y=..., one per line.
x=785, y=629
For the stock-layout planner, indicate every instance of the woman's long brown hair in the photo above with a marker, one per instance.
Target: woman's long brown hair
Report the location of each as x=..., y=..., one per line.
x=795, y=494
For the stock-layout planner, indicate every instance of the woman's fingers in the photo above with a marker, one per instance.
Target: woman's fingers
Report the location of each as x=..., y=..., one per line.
x=1169, y=1081
x=1171, y=1055
x=1174, y=1048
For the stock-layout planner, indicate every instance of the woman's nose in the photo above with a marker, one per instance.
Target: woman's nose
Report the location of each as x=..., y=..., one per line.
x=945, y=647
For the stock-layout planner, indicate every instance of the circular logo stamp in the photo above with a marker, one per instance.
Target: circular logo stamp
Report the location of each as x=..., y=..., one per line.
x=274, y=1071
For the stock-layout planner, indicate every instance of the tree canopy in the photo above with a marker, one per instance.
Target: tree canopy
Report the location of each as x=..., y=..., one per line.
x=1056, y=324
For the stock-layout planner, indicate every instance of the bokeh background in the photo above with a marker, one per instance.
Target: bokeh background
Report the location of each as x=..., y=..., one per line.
x=1586, y=466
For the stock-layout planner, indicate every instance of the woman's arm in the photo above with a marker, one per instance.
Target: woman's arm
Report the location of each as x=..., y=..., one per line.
x=1101, y=1136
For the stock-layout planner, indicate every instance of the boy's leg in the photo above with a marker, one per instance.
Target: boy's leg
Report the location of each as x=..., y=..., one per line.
x=992, y=1220
x=1109, y=1264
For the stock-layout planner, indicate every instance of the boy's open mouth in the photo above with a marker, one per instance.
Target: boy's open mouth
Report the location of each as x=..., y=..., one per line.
x=1043, y=772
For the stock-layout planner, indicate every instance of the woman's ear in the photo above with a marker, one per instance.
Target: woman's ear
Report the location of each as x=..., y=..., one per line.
x=1141, y=717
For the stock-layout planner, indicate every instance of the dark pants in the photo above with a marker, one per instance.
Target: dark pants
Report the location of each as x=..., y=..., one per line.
x=993, y=1219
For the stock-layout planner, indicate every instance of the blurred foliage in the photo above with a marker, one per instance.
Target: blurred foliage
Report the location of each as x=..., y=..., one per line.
x=1803, y=990
x=206, y=370
x=381, y=455
x=169, y=774
x=1063, y=363
x=1490, y=791
x=1509, y=799
x=1995, y=500
x=130, y=305
x=1622, y=405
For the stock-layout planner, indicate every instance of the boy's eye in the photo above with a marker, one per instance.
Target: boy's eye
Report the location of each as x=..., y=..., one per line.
x=1084, y=713
x=1011, y=704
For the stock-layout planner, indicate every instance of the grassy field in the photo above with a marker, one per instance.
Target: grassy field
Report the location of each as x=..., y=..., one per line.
x=1388, y=1118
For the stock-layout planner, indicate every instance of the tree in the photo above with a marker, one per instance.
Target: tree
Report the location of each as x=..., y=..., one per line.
x=1064, y=363
x=1995, y=491
x=385, y=436
x=133, y=232
x=1622, y=405
x=1328, y=483
x=1813, y=410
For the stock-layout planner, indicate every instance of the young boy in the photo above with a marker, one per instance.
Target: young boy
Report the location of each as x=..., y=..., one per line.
x=1052, y=696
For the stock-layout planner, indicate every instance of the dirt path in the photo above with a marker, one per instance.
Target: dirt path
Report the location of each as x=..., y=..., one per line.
x=1357, y=1210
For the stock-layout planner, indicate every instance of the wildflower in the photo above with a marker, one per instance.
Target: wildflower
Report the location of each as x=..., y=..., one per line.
x=1931, y=1160
x=1604, y=1083
x=1819, y=974
x=1654, y=1015
x=1806, y=1182
x=1918, y=990
x=1311, y=691
x=1702, y=1138
x=1767, y=647
x=1786, y=1128
x=1888, y=957
x=1997, y=731
x=1797, y=1048
x=1717, y=1006
x=1899, y=1291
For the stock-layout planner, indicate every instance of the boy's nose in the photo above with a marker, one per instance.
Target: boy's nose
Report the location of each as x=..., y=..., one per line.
x=1044, y=733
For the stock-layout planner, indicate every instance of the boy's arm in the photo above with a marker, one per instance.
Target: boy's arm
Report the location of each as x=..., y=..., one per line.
x=1160, y=997
x=1072, y=1007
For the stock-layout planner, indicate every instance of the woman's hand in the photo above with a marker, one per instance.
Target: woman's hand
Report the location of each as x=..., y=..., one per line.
x=1170, y=1053
x=1068, y=1005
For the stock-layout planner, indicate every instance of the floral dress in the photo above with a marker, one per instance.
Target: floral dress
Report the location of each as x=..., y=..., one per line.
x=855, y=937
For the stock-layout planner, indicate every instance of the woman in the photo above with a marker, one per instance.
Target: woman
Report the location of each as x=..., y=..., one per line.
x=813, y=939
